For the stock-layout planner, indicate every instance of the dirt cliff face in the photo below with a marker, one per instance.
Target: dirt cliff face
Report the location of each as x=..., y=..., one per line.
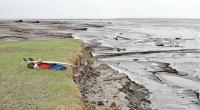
x=106, y=89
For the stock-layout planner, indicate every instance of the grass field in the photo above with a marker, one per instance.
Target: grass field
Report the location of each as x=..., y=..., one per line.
x=27, y=89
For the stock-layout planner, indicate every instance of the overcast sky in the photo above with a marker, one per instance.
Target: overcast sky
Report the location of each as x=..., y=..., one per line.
x=15, y=9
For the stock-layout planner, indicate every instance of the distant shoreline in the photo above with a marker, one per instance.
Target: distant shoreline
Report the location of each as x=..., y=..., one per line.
x=9, y=19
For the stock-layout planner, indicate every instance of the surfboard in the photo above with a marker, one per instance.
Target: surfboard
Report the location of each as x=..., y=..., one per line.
x=50, y=62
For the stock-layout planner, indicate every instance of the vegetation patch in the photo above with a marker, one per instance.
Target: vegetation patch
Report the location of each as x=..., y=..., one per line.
x=27, y=89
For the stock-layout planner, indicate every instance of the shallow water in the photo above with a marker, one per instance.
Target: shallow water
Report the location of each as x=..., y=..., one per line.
x=170, y=91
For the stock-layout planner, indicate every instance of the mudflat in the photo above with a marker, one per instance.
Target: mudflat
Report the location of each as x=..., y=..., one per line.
x=163, y=55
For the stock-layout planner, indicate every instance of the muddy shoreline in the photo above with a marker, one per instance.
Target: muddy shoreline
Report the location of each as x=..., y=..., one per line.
x=106, y=89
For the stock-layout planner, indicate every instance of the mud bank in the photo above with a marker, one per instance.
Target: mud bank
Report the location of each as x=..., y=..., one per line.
x=106, y=89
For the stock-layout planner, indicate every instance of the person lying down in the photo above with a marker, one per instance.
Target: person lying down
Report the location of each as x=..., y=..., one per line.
x=42, y=65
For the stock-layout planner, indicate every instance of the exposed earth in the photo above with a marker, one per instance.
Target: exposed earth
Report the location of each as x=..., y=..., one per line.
x=160, y=56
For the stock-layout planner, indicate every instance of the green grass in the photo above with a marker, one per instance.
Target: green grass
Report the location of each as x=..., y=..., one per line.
x=27, y=89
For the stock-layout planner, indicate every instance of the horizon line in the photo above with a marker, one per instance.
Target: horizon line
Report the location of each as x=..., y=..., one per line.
x=98, y=18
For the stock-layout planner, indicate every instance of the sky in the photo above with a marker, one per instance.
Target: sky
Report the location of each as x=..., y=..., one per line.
x=65, y=9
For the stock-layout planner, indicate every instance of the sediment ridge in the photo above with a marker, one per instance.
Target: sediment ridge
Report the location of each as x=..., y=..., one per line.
x=108, y=55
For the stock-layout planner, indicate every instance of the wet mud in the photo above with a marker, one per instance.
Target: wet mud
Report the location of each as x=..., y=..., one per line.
x=107, y=55
x=44, y=29
x=160, y=54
